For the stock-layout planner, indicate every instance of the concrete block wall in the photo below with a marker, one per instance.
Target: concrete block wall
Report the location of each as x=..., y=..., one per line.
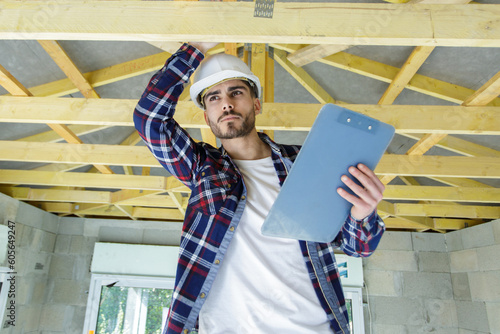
x=69, y=276
x=415, y=282
x=408, y=286
x=475, y=273
x=35, y=232
x=53, y=257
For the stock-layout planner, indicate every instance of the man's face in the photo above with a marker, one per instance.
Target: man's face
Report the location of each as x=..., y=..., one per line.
x=230, y=109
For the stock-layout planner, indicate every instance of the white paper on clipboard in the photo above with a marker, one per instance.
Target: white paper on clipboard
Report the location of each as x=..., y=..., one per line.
x=308, y=206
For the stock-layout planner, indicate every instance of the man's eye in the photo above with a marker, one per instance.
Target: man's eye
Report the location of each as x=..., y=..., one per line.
x=212, y=98
x=236, y=92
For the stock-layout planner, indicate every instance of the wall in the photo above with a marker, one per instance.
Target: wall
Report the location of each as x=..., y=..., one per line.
x=475, y=274
x=69, y=281
x=53, y=258
x=416, y=282
x=409, y=285
x=35, y=232
x=431, y=282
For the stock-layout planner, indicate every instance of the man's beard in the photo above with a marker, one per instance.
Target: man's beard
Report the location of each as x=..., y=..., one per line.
x=247, y=125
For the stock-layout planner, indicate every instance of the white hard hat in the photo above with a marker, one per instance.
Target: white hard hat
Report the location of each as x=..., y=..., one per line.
x=217, y=68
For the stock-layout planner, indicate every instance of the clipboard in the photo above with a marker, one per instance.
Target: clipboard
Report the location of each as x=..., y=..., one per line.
x=308, y=206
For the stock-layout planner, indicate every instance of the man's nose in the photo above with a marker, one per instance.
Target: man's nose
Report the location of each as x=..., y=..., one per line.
x=227, y=104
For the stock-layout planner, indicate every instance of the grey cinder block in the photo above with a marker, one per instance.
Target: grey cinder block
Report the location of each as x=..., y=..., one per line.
x=433, y=285
x=433, y=262
x=464, y=261
x=472, y=316
x=461, y=288
x=429, y=242
x=391, y=260
x=478, y=236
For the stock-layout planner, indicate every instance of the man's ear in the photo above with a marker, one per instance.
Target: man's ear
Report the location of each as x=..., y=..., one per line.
x=257, y=106
x=206, y=117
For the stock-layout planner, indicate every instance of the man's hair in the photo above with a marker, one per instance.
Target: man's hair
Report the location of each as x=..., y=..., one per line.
x=252, y=88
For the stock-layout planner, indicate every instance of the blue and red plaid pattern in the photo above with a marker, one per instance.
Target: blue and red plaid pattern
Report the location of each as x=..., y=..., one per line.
x=218, y=197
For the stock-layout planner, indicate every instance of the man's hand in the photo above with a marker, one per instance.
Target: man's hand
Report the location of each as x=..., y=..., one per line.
x=368, y=195
x=203, y=46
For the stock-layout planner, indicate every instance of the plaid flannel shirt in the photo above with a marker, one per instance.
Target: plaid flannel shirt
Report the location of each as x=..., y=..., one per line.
x=218, y=198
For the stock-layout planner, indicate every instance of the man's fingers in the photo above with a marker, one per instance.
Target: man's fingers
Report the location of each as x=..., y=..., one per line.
x=367, y=195
x=357, y=189
x=373, y=177
x=367, y=183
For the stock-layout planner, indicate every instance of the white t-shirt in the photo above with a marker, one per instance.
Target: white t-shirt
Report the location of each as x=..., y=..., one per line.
x=263, y=285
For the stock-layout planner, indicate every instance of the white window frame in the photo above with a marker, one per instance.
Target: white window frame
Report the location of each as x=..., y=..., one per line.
x=97, y=281
x=356, y=297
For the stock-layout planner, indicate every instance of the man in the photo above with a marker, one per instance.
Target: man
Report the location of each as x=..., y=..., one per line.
x=230, y=278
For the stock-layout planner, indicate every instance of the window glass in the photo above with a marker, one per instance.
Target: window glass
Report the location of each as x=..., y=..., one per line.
x=125, y=309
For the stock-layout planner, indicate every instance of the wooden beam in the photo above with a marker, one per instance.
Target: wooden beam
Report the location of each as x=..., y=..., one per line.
x=278, y=116
x=118, y=155
x=170, y=47
x=178, y=200
x=113, y=211
x=461, y=182
x=314, y=52
x=303, y=78
x=151, y=199
x=61, y=58
x=258, y=64
x=104, y=76
x=455, y=224
x=231, y=49
x=407, y=71
x=439, y=2
x=409, y=223
x=115, y=155
x=446, y=194
x=11, y=84
x=269, y=87
x=62, y=130
x=100, y=181
x=57, y=195
x=355, y=24
x=157, y=213
x=447, y=210
x=52, y=137
x=438, y=224
x=460, y=146
x=429, y=166
x=386, y=73
x=359, y=65
x=487, y=93
x=417, y=193
x=131, y=140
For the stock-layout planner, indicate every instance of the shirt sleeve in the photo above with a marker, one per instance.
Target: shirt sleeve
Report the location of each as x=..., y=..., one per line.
x=153, y=116
x=360, y=238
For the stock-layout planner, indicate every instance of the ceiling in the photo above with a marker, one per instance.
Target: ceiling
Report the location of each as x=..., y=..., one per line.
x=72, y=73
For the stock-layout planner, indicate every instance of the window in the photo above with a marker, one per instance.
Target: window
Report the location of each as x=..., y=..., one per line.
x=354, y=304
x=127, y=304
